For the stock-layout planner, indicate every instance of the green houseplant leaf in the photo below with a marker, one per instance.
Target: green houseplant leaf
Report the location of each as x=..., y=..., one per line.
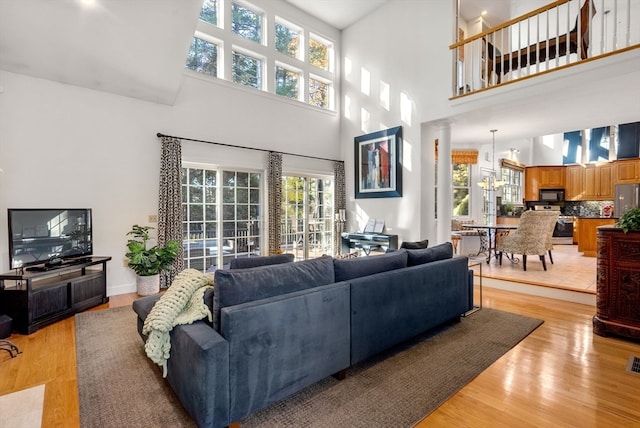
x=630, y=221
x=149, y=261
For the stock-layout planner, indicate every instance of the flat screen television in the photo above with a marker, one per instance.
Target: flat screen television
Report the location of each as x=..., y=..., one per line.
x=38, y=236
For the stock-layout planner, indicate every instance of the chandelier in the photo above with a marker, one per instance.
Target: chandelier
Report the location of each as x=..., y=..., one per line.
x=491, y=181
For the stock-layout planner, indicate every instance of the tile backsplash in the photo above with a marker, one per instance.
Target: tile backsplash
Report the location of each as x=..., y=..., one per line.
x=585, y=208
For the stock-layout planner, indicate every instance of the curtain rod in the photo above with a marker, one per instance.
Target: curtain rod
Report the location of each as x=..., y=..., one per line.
x=160, y=135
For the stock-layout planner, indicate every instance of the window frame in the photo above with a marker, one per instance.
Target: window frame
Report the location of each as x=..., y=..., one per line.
x=301, y=39
x=515, y=167
x=309, y=232
x=252, y=8
x=253, y=55
x=468, y=188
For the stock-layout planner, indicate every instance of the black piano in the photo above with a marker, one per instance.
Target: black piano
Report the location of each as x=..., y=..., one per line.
x=368, y=242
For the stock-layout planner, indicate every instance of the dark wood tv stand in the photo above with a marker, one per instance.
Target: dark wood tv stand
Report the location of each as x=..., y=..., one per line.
x=34, y=299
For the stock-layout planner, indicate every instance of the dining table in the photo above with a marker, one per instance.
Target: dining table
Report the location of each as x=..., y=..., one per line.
x=489, y=234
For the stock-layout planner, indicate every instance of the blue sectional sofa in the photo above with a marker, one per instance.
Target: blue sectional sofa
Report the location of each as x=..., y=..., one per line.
x=282, y=327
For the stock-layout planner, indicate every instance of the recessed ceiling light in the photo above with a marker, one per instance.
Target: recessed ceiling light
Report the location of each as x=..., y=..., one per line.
x=483, y=13
x=88, y=2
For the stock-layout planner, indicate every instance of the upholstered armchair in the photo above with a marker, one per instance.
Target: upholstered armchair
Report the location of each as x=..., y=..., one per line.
x=532, y=237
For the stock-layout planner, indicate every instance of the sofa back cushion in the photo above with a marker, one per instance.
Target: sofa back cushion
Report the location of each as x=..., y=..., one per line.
x=426, y=255
x=233, y=287
x=250, y=262
x=346, y=269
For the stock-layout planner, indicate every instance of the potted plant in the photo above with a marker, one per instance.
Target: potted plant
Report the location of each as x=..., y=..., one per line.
x=630, y=221
x=148, y=263
x=508, y=208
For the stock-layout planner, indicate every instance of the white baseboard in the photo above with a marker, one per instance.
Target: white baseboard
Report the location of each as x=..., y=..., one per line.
x=121, y=289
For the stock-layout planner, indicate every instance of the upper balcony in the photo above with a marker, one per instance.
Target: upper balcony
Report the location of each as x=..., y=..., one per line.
x=562, y=34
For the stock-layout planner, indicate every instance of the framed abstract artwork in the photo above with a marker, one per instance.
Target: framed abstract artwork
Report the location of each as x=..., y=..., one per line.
x=378, y=164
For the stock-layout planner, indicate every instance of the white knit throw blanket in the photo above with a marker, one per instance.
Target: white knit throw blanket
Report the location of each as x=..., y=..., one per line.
x=182, y=303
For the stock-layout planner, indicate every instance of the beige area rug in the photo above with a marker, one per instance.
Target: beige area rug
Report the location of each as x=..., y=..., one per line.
x=22, y=409
x=119, y=386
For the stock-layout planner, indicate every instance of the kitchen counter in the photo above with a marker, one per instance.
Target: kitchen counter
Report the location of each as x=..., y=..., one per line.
x=587, y=231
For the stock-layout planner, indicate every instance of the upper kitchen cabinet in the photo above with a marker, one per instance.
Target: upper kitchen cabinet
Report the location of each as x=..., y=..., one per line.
x=542, y=177
x=627, y=171
x=574, y=182
x=552, y=177
x=598, y=182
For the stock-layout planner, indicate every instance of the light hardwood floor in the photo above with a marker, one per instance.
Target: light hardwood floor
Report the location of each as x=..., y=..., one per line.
x=560, y=375
x=571, y=270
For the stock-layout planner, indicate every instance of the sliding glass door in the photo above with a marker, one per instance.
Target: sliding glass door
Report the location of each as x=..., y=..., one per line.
x=307, y=216
x=221, y=216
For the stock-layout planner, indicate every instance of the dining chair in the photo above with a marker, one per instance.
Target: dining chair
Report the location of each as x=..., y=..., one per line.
x=532, y=237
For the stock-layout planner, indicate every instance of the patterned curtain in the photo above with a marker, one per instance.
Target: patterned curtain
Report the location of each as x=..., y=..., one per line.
x=339, y=204
x=274, y=183
x=170, y=203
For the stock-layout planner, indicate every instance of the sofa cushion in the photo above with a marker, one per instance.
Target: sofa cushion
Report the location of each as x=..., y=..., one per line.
x=346, y=269
x=426, y=255
x=417, y=245
x=250, y=262
x=236, y=286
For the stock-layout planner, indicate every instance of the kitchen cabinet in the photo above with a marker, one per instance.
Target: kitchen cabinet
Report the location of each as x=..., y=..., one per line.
x=588, y=232
x=574, y=182
x=513, y=221
x=627, y=171
x=552, y=177
x=598, y=182
x=542, y=177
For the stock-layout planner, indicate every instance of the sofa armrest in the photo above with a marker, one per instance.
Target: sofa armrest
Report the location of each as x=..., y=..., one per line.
x=198, y=372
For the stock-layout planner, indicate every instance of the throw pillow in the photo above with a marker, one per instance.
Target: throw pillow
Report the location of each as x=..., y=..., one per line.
x=426, y=255
x=346, y=269
x=418, y=245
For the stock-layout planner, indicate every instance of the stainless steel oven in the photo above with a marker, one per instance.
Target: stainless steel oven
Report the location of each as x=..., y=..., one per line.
x=563, y=231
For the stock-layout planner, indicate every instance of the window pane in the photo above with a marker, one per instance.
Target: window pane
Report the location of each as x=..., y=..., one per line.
x=210, y=178
x=318, y=54
x=203, y=57
x=512, y=190
x=318, y=93
x=246, y=23
x=247, y=70
x=229, y=178
x=460, y=174
x=287, y=40
x=460, y=202
x=287, y=82
x=209, y=12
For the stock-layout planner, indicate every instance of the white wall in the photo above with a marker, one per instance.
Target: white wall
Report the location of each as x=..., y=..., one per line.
x=396, y=48
x=66, y=146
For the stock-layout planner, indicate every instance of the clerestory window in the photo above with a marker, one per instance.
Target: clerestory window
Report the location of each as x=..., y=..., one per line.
x=283, y=58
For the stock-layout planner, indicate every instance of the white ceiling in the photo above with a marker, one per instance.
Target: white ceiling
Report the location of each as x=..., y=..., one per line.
x=338, y=13
x=123, y=47
x=342, y=13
